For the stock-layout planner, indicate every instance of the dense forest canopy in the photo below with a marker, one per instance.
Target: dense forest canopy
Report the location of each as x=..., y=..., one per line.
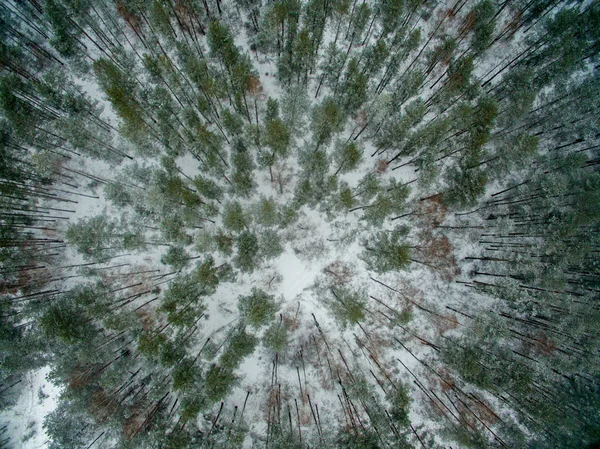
x=300, y=223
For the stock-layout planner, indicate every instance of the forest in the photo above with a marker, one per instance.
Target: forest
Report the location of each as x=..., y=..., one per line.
x=288, y=224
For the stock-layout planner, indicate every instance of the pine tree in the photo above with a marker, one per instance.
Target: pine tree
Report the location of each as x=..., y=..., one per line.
x=234, y=218
x=327, y=119
x=247, y=251
x=347, y=306
x=385, y=252
x=347, y=157
x=258, y=308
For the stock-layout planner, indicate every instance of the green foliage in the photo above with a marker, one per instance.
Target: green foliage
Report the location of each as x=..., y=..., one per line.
x=266, y=212
x=180, y=440
x=568, y=430
x=119, y=89
x=400, y=401
x=327, y=119
x=67, y=322
x=347, y=306
x=176, y=257
x=295, y=103
x=277, y=136
x=471, y=438
x=483, y=118
x=483, y=29
x=68, y=425
x=224, y=243
x=191, y=406
x=173, y=230
x=169, y=198
x=315, y=184
x=207, y=188
x=482, y=359
x=160, y=19
x=516, y=152
x=20, y=351
x=366, y=439
x=185, y=374
x=428, y=168
x=172, y=352
x=63, y=30
x=270, y=244
x=20, y=114
x=93, y=237
x=205, y=241
x=276, y=337
x=489, y=371
x=240, y=345
x=315, y=164
x=233, y=217
x=218, y=383
x=368, y=186
x=520, y=94
x=247, y=251
x=206, y=275
x=362, y=12
x=258, y=308
x=232, y=122
x=396, y=131
x=182, y=302
x=179, y=86
x=346, y=199
x=243, y=179
x=314, y=191
x=466, y=186
x=347, y=157
x=376, y=56
x=221, y=44
x=272, y=112
x=288, y=214
x=117, y=195
x=391, y=12
x=459, y=73
x=354, y=87
x=390, y=201
x=384, y=252
x=408, y=86
x=151, y=344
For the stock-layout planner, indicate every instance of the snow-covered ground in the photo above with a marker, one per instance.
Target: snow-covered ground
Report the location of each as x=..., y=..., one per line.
x=26, y=418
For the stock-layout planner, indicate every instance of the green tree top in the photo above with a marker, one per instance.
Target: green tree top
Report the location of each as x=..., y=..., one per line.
x=182, y=301
x=234, y=218
x=221, y=44
x=385, y=251
x=277, y=136
x=119, y=89
x=258, y=308
x=67, y=322
x=327, y=119
x=348, y=306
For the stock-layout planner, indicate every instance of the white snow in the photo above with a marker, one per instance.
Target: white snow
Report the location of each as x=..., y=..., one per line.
x=25, y=419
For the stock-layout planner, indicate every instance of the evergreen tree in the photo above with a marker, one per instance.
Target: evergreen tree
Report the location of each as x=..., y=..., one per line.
x=258, y=308
x=327, y=119
x=234, y=218
x=176, y=257
x=385, y=251
x=347, y=306
x=247, y=253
